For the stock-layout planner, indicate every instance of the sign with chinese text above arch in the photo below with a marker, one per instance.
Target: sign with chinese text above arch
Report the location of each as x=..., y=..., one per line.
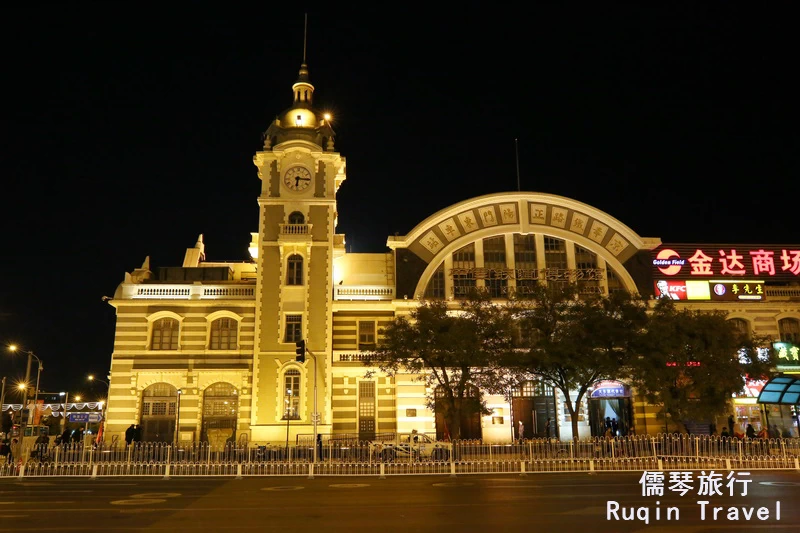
x=610, y=389
x=770, y=262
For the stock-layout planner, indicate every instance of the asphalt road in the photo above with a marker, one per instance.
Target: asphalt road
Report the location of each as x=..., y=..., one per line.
x=488, y=503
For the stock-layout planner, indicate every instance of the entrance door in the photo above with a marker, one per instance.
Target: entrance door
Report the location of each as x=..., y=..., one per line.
x=610, y=412
x=158, y=412
x=366, y=410
x=532, y=404
x=220, y=409
x=470, y=417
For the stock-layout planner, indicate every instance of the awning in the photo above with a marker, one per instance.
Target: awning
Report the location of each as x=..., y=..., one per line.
x=784, y=390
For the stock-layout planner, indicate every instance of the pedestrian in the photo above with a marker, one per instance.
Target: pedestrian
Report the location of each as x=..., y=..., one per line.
x=750, y=432
x=724, y=433
x=5, y=450
x=730, y=424
x=614, y=426
x=762, y=434
x=137, y=433
x=66, y=437
x=129, y=433
x=547, y=428
x=40, y=446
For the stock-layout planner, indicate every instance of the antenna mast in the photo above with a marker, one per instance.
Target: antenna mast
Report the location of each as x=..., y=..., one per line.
x=516, y=148
x=305, y=35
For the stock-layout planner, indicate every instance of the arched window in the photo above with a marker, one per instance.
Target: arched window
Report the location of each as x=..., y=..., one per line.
x=220, y=408
x=159, y=402
x=165, y=334
x=741, y=325
x=296, y=217
x=294, y=270
x=789, y=329
x=291, y=394
x=224, y=332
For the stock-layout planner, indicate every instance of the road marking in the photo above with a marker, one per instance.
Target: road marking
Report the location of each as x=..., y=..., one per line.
x=452, y=484
x=135, y=511
x=284, y=488
x=156, y=495
x=140, y=501
x=14, y=515
x=348, y=485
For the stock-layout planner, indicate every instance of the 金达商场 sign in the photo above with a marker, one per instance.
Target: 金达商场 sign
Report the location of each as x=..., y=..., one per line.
x=726, y=261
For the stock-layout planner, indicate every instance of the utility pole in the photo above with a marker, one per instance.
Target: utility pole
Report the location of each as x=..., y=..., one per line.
x=300, y=350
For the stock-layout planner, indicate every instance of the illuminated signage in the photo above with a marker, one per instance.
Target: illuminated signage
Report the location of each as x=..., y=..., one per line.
x=787, y=353
x=723, y=290
x=698, y=261
x=608, y=389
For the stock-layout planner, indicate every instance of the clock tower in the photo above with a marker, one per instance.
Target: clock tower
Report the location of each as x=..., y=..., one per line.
x=294, y=250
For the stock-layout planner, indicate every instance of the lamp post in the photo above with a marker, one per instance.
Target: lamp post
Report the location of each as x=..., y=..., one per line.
x=178, y=417
x=64, y=395
x=102, y=431
x=31, y=356
x=288, y=416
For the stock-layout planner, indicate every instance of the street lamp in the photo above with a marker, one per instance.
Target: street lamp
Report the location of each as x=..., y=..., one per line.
x=14, y=348
x=64, y=395
x=178, y=417
x=101, y=433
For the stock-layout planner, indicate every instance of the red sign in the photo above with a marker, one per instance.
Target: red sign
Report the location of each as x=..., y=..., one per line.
x=698, y=261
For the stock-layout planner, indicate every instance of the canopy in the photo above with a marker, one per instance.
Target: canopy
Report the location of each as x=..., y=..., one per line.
x=784, y=390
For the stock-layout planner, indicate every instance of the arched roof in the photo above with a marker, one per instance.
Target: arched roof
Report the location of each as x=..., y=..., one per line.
x=784, y=390
x=522, y=212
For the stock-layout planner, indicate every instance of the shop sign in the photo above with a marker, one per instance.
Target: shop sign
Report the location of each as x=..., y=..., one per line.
x=719, y=290
x=787, y=353
x=608, y=389
x=705, y=261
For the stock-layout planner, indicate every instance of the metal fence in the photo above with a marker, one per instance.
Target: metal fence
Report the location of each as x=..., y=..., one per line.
x=338, y=457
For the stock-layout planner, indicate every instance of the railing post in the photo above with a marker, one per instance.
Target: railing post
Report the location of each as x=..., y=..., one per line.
x=783, y=448
x=591, y=465
x=383, y=470
x=166, y=467
x=55, y=459
x=660, y=464
x=22, y=470
x=728, y=463
x=452, y=467
x=311, y=470
x=572, y=449
x=239, y=471
x=94, y=472
x=522, y=469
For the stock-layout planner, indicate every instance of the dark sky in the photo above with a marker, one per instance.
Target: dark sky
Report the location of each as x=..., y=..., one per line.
x=127, y=133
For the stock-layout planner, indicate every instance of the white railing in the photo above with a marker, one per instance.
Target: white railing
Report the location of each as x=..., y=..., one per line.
x=363, y=292
x=174, y=291
x=295, y=229
x=338, y=456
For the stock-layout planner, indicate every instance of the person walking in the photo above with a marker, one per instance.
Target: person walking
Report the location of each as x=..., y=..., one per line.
x=547, y=428
x=137, y=433
x=750, y=432
x=129, y=434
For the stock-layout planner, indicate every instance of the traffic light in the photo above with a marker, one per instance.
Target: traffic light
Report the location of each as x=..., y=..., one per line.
x=300, y=350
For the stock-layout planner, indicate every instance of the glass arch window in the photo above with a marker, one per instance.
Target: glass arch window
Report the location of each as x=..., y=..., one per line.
x=464, y=271
x=165, y=334
x=588, y=275
x=294, y=270
x=435, y=288
x=224, y=333
x=296, y=217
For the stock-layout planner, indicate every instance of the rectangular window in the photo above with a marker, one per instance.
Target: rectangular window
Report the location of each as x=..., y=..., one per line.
x=494, y=261
x=291, y=391
x=555, y=261
x=165, y=334
x=435, y=288
x=464, y=271
x=587, y=272
x=527, y=271
x=294, y=328
x=366, y=335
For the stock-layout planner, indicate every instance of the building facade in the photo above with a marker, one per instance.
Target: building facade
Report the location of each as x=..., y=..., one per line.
x=206, y=351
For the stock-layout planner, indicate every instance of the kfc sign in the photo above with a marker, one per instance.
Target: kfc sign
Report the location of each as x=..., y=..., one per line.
x=715, y=290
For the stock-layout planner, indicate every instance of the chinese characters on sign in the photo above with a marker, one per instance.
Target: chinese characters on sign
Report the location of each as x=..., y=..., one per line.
x=716, y=290
x=687, y=261
x=788, y=353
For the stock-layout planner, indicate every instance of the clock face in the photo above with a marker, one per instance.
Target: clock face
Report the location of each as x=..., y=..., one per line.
x=297, y=178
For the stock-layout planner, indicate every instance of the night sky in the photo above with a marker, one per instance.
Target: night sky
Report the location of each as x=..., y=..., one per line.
x=127, y=133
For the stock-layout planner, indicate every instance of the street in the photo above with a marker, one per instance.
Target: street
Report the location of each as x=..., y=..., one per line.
x=541, y=502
